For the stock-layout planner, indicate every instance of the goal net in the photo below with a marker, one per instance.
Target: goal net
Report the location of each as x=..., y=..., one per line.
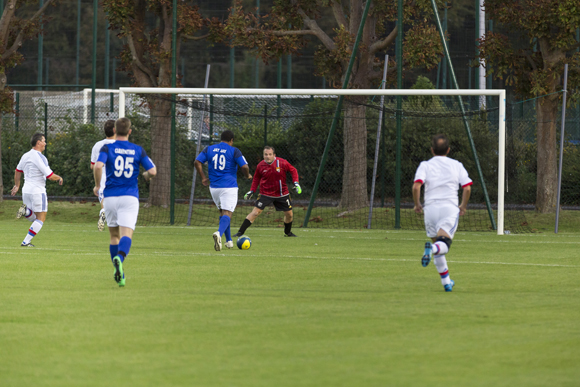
x=371, y=139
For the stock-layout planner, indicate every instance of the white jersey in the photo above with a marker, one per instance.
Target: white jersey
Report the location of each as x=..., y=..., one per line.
x=95, y=156
x=36, y=170
x=442, y=177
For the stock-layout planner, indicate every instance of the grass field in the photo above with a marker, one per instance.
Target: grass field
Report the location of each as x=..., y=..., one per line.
x=329, y=308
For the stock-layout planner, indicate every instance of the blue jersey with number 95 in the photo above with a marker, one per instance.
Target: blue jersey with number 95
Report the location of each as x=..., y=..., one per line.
x=122, y=160
x=222, y=164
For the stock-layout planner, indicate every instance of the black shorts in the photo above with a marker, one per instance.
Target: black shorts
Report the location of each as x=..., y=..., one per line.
x=281, y=203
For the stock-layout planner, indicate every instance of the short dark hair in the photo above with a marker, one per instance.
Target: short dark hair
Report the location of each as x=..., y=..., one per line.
x=36, y=137
x=227, y=135
x=440, y=145
x=109, y=128
x=122, y=126
x=270, y=147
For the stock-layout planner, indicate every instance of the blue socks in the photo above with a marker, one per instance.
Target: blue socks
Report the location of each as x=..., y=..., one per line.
x=124, y=247
x=225, y=226
x=228, y=234
x=113, y=249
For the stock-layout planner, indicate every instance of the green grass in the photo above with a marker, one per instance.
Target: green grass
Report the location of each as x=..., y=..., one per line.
x=329, y=308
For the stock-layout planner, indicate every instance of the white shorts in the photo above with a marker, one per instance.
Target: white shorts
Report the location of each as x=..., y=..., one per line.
x=36, y=202
x=101, y=196
x=121, y=211
x=441, y=216
x=225, y=198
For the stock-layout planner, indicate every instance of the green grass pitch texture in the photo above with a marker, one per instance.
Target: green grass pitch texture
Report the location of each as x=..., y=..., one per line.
x=329, y=308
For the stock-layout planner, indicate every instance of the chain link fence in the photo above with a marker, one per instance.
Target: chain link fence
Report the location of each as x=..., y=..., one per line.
x=297, y=127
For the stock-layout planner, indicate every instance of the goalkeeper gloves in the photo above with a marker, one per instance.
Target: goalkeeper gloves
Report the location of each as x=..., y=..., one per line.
x=248, y=195
x=297, y=188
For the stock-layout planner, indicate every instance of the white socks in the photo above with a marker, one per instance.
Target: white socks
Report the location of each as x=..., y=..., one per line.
x=441, y=265
x=30, y=215
x=440, y=248
x=34, y=229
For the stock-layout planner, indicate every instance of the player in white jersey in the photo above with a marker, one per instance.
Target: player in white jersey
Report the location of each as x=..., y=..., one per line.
x=442, y=177
x=110, y=134
x=35, y=168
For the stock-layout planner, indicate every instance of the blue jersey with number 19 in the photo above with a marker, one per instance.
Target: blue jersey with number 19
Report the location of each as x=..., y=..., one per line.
x=122, y=160
x=222, y=164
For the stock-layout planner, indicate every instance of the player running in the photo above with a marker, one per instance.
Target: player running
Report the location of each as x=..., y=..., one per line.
x=223, y=161
x=36, y=170
x=121, y=194
x=109, y=129
x=442, y=177
x=271, y=177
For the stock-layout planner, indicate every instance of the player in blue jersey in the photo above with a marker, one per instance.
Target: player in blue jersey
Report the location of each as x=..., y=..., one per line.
x=222, y=166
x=121, y=194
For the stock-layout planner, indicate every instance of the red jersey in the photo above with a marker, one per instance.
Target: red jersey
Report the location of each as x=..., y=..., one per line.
x=272, y=177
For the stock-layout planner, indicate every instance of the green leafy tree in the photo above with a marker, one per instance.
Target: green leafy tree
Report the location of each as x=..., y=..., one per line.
x=14, y=30
x=146, y=29
x=334, y=24
x=531, y=59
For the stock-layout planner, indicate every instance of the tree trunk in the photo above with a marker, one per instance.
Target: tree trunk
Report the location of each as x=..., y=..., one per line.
x=354, y=178
x=159, y=190
x=547, y=157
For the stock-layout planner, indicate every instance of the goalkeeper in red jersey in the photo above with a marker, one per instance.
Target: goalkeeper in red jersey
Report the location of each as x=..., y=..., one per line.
x=270, y=175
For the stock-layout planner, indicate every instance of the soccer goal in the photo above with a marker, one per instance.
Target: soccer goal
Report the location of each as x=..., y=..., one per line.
x=297, y=124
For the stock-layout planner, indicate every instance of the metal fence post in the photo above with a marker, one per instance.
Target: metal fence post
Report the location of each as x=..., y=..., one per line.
x=17, y=111
x=265, y=124
x=46, y=128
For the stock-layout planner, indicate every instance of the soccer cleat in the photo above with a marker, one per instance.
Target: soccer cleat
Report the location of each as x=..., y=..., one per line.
x=217, y=241
x=26, y=245
x=119, y=274
x=290, y=234
x=101, y=222
x=428, y=254
x=237, y=235
x=21, y=211
x=122, y=282
x=449, y=287
x=230, y=244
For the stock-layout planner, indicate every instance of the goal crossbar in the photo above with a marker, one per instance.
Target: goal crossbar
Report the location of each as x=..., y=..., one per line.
x=359, y=92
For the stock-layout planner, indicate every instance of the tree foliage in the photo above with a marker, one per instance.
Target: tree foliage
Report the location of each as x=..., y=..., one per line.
x=16, y=26
x=539, y=40
x=146, y=27
x=289, y=25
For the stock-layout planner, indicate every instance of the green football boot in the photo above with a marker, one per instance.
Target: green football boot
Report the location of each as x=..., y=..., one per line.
x=119, y=274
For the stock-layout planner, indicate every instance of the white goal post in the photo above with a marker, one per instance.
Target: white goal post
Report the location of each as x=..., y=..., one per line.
x=360, y=92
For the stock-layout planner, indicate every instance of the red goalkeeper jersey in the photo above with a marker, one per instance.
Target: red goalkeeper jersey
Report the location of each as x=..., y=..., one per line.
x=272, y=177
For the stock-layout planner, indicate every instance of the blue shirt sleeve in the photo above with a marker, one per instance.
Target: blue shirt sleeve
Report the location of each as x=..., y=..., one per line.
x=103, y=154
x=146, y=162
x=240, y=159
x=202, y=157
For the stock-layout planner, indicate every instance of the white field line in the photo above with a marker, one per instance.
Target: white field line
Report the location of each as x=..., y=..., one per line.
x=160, y=253
x=359, y=237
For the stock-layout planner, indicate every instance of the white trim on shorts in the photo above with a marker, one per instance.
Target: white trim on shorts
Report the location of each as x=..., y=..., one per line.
x=225, y=198
x=36, y=202
x=121, y=211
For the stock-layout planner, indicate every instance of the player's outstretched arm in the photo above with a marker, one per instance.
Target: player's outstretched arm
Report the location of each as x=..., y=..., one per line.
x=246, y=171
x=16, y=187
x=150, y=173
x=417, y=197
x=55, y=177
x=199, y=167
x=464, y=199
